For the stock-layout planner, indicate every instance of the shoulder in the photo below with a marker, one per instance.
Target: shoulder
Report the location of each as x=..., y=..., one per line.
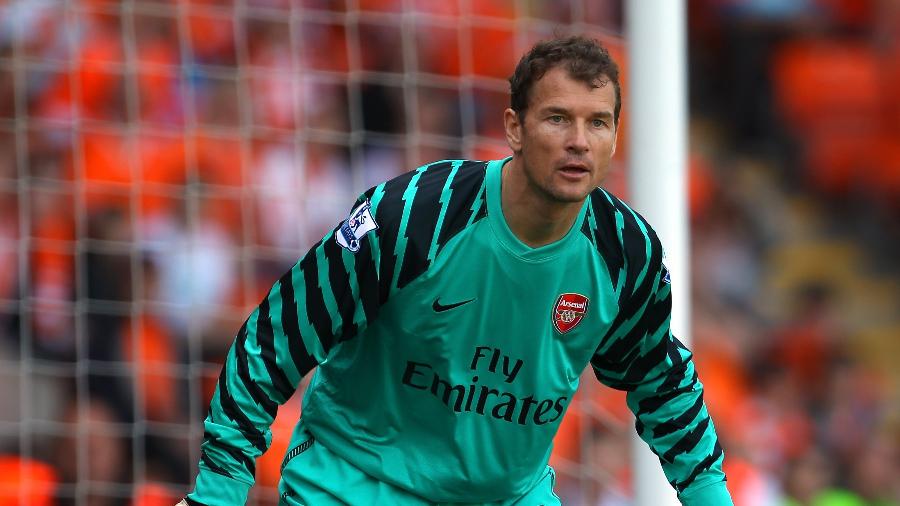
x=418, y=212
x=613, y=214
x=622, y=236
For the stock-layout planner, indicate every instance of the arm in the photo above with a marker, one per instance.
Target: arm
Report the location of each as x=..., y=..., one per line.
x=640, y=355
x=327, y=297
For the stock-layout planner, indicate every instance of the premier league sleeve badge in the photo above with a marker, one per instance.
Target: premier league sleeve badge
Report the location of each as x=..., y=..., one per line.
x=359, y=223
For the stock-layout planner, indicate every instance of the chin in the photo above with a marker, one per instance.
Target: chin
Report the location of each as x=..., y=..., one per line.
x=570, y=195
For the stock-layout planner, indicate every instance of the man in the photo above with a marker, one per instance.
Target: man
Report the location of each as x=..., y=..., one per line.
x=451, y=315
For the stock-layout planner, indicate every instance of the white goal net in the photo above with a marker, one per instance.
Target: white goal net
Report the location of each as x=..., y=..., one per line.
x=163, y=162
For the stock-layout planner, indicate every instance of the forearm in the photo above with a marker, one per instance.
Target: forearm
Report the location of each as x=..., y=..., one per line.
x=261, y=371
x=236, y=432
x=672, y=419
x=715, y=493
x=640, y=355
x=328, y=296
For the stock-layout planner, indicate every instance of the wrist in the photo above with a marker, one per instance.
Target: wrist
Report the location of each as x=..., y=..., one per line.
x=214, y=489
x=714, y=494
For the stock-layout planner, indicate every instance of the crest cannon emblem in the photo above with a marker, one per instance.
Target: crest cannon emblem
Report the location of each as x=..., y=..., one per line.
x=568, y=311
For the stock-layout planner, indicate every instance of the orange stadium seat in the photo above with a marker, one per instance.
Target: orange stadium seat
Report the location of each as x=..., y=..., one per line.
x=826, y=81
x=837, y=163
x=834, y=95
x=886, y=173
x=95, y=74
x=29, y=480
x=866, y=161
x=154, y=494
x=157, y=80
x=151, y=350
x=268, y=467
x=850, y=13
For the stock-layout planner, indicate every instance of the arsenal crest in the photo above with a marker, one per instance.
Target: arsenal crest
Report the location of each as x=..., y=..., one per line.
x=568, y=311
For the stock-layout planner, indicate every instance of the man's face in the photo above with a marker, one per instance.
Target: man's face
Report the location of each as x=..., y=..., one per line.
x=567, y=136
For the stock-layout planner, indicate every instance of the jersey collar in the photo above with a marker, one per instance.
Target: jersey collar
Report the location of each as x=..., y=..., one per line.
x=506, y=236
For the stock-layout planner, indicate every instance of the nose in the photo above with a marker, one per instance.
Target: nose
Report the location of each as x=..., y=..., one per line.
x=577, y=140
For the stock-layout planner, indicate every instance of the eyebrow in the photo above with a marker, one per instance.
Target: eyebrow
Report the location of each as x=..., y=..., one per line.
x=562, y=110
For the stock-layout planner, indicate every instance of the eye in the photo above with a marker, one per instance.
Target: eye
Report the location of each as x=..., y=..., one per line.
x=556, y=118
x=599, y=123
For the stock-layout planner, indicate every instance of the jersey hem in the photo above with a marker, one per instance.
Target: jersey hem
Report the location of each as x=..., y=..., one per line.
x=324, y=439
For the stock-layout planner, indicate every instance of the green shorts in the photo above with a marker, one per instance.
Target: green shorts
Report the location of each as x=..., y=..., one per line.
x=314, y=476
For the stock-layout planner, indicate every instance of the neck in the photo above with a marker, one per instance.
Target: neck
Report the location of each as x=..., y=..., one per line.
x=534, y=217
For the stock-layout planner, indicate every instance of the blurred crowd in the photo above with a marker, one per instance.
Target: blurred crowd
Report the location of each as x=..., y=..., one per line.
x=796, y=207
x=163, y=162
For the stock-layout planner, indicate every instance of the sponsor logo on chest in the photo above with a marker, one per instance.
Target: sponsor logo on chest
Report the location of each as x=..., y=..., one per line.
x=568, y=311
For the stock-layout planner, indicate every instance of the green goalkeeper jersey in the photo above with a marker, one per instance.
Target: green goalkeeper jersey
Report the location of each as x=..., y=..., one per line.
x=448, y=351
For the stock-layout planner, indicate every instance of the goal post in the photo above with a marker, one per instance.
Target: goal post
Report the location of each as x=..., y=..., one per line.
x=657, y=100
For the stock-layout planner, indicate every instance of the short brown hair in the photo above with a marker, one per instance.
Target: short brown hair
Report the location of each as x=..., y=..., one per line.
x=585, y=59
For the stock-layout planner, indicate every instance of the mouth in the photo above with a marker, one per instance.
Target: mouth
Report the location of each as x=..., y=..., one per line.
x=574, y=170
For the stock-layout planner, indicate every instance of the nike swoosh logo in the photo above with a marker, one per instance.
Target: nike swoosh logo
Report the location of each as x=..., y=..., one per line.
x=438, y=307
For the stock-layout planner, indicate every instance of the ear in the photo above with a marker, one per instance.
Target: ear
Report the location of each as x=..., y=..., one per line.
x=615, y=140
x=513, y=128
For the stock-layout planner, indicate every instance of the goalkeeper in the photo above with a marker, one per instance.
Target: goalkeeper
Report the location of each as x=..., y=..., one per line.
x=451, y=314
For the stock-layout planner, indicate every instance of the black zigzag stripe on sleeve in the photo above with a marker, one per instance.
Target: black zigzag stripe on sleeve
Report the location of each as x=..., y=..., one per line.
x=234, y=412
x=249, y=383
x=339, y=279
x=367, y=280
x=423, y=217
x=702, y=466
x=408, y=229
x=315, y=301
x=234, y=453
x=606, y=234
x=687, y=442
x=208, y=462
x=303, y=361
x=635, y=243
x=265, y=336
x=466, y=187
x=389, y=214
x=636, y=293
x=652, y=404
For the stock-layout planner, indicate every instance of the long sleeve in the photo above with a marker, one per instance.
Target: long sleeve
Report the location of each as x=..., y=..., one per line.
x=640, y=355
x=329, y=296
